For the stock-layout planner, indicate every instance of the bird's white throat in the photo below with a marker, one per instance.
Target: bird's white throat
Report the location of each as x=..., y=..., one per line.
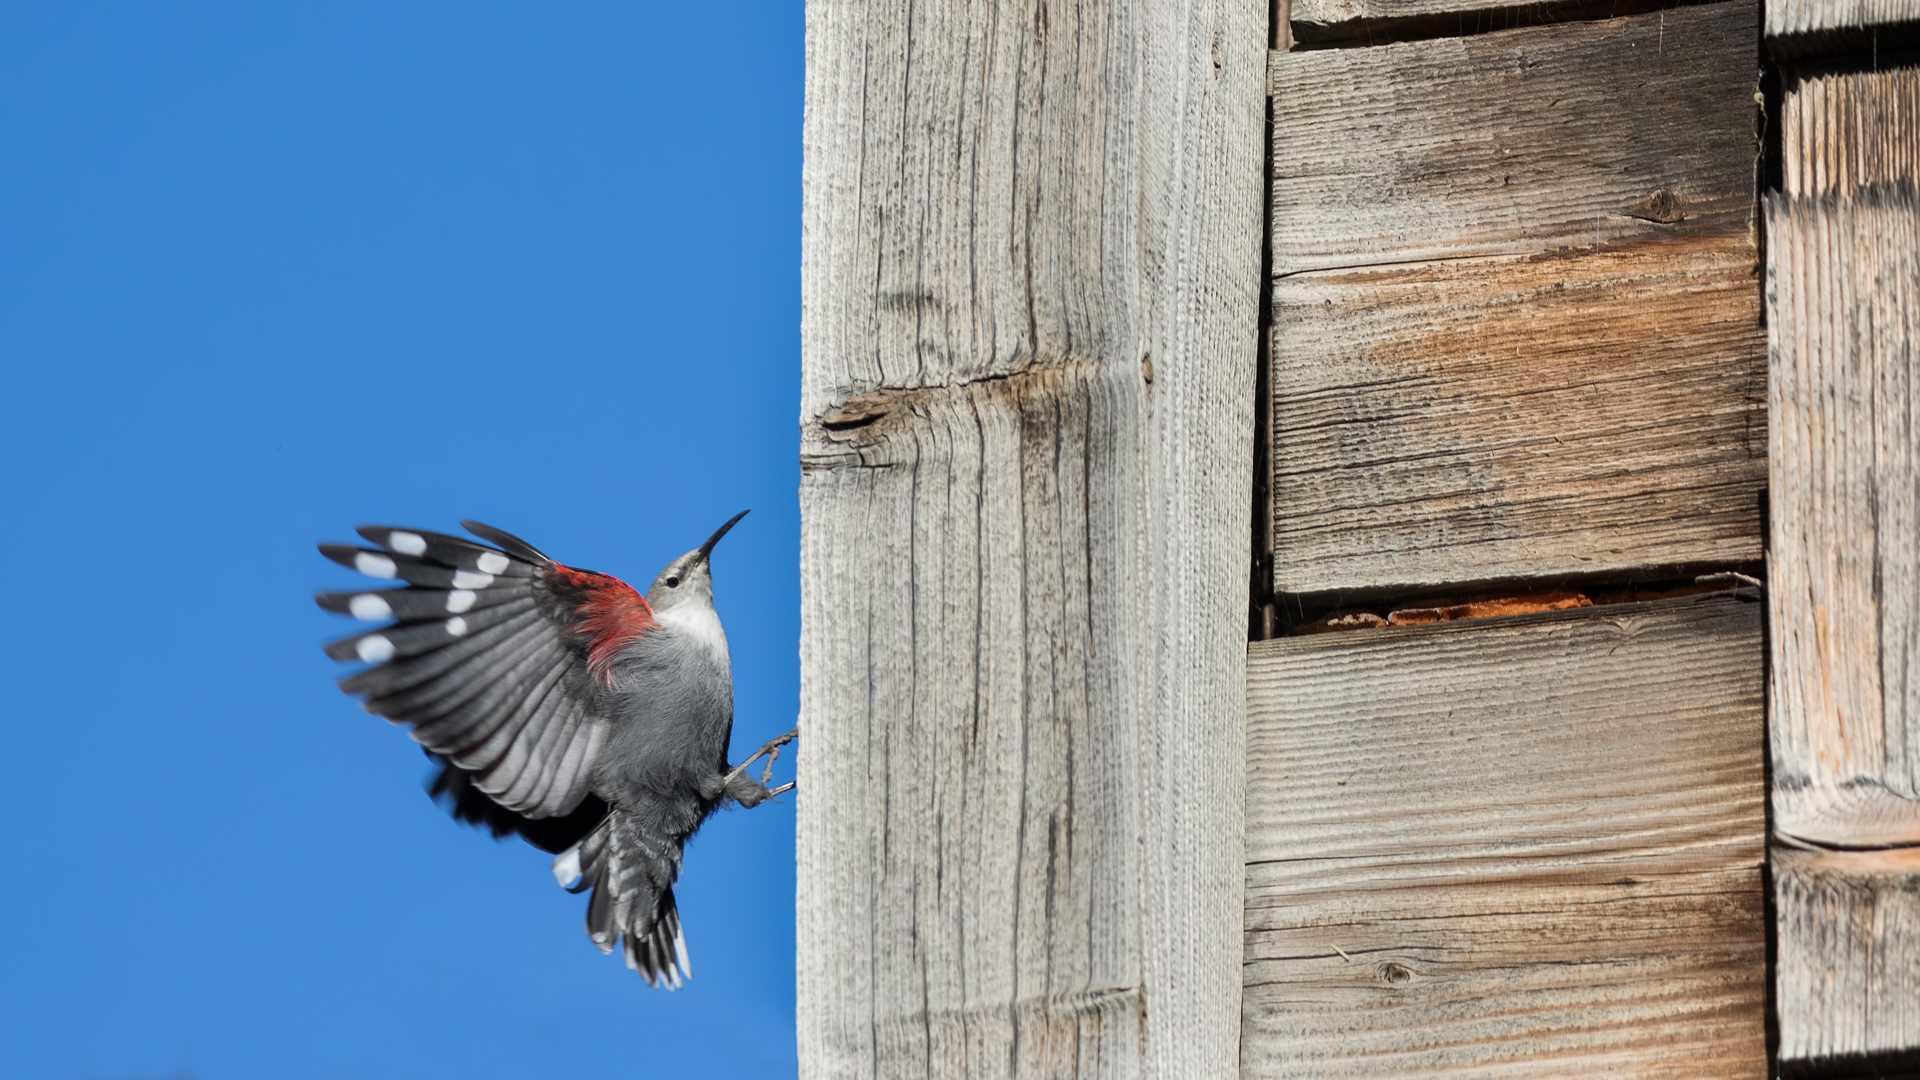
x=700, y=624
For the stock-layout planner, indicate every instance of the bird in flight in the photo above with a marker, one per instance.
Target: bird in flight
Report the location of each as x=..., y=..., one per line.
x=562, y=706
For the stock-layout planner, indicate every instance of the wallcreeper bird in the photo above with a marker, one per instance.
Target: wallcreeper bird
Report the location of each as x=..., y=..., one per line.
x=563, y=707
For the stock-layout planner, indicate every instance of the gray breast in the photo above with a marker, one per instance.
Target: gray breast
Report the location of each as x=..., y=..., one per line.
x=671, y=708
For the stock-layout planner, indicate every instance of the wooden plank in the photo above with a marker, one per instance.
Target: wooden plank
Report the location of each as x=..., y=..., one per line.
x=1848, y=969
x=1818, y=17
x=1526, y=417
x=1584, y=394
x=1379, y=22
x=1030, y=286
x=1630, y=131
x=1844, y=317
x=1524, y=847
x=1840, y=133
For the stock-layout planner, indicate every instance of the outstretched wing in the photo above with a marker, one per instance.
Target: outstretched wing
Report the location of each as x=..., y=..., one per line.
x=496, y=656
x=452, y=787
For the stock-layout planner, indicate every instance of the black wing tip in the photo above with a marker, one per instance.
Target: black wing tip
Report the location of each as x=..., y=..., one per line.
x=508, y=542
x=348, y=555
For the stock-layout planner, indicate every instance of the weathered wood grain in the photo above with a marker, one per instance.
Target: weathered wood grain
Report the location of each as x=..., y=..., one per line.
x=1517, y=847
x=1631, y=130
x=1524, y=417
x=1849, y=978
x=1843, y=293
x=1379, y=22
x=1584, y=393
x=1848, y=923
x=1843, y=296
x=1030, y=287
x=1799, y=17
x=1839, y=133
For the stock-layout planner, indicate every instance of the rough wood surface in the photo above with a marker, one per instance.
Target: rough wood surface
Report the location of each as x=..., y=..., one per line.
x=1466, y=421
x=1839, y=133
x=1628, y=131
x=1520, y=847
x=1030, y=286
x=1378, y=22
x=1844, y=314
x=1785, y=17
x=1843, y=301
x=1516, y=315
x=1849, y=978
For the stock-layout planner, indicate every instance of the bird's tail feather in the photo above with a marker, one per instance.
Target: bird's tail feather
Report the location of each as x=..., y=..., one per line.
x=632, y=904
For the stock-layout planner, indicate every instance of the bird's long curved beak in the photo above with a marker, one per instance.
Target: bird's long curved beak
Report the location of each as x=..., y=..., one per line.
x=706, y=549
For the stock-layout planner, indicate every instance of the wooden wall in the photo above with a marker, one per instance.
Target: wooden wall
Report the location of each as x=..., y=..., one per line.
x=1490, y=801
x=1517, y=363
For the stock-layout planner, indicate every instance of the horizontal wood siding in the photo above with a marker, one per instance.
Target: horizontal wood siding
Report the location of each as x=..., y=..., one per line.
x=1516, y=316
x=1844, y=322
x=1522, y=847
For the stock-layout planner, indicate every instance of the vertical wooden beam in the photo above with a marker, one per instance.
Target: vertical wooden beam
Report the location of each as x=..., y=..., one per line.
x=1798, y=18
x=1029, y=287
x=1843, y=296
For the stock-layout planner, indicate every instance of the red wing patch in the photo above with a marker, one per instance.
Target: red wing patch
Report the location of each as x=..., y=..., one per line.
x=608, y=613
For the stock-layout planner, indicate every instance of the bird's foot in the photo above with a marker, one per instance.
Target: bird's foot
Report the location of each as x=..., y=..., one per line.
x=747, y=791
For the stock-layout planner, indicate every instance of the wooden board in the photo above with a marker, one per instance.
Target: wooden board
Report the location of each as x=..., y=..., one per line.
x=1817, y=17
x=1526, y=417
x=1633, y=130
x=1844, y=313
x=1520, y=847
x=1584, y=393
x=1848, y=973
x=1377, y=22
x=1030, y=286
x=1839, y=133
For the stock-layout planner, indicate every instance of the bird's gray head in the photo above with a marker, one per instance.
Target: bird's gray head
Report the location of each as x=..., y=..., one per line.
x=687, y=579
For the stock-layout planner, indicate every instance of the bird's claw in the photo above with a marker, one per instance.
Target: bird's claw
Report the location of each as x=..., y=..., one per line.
x=748, y=792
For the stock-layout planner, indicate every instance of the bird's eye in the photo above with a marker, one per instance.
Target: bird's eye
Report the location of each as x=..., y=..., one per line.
x=673, y=583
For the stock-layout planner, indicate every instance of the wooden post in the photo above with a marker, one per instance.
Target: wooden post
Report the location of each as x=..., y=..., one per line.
x=1843, y=292
x=1030, y=283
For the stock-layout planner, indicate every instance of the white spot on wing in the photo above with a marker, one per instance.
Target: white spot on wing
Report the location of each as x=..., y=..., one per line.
x=374, y=648
x=370, y=606
x=407, y=543
x=467, y=579
x=374, y=564
x=492, y=562
x=457, y=625
x=460, y=600
x=566, y=867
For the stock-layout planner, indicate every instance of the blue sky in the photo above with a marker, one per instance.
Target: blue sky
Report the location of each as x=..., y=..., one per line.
x=269, y=270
